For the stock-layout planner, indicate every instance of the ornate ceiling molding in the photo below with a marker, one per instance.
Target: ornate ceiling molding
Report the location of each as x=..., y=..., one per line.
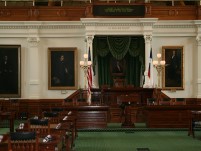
x=102, y=26
x=41, y=27
x=118, y=26
x=45, y=29
x=175, y=28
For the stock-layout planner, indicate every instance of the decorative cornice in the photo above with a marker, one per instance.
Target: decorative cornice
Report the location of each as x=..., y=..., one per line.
x=113, y=24
x=41, y=26
x=174, y=26
x=118, y=21
x=94, y=26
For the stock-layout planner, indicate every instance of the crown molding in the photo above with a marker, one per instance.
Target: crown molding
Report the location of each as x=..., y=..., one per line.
x=101, y=26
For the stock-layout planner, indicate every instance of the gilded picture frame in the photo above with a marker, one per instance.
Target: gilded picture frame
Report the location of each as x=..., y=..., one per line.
x=62, y=68
x=173, y=73
x=10, y=71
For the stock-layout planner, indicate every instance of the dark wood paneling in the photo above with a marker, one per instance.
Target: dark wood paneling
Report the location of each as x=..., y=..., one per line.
x=171, y=116
x=91, y=119
x=74, y=13
x=42, y=13
x=110, y=94
x=36, y=106
x=172, y=12
x=90, y=116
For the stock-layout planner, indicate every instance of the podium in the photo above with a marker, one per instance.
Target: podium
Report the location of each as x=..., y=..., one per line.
x=127, y=104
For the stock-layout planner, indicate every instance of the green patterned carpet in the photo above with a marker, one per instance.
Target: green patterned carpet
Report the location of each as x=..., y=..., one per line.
x=117, y=139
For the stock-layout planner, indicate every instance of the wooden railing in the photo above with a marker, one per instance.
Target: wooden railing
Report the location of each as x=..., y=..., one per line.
x=65, y=10
x=63, y=2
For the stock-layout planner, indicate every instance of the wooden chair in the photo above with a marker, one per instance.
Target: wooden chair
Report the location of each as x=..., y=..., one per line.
x=194, y=122
x=165, y=101
x=151, y=101
x=119, y=82
x=96, y=97
x=40, y=126
x=56, y=116
x=179, y=101
x=70, y=118
x=105, y=86
x=23, y=141
x=130, y=86
x=53, y=117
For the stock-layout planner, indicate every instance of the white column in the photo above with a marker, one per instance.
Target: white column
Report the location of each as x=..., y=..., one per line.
x=89, y=39
x=148, y=40
x=198, y=67
x=33, y=67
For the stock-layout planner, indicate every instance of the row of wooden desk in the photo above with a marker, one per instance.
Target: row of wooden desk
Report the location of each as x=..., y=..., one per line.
x=157, y=116
x=178, y=116
x=62, y=135
x=43, y=146
x=169, y=116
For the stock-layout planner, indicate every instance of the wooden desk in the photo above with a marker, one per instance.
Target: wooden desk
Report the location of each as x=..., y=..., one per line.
x=57, y=141
x=127, y=102
x=66, y=130
x=48, y=146
x=109, y=95
x=169, y=116
x=195, y=116
x=10, y=117
x=4, y=142
x=89, y=116
x=61, y=131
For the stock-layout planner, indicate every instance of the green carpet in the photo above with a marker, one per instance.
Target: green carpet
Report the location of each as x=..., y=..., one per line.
x=125, y=141
x=115, y=138
x=4, y=129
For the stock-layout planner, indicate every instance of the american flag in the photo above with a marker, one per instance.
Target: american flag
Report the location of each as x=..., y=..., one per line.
x=150, y=62
x=89, y=74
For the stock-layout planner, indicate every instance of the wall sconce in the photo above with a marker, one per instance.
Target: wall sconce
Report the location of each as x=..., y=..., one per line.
x=85, y=65
x=159, y=65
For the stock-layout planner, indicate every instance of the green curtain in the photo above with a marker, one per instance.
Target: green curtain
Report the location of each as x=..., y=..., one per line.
x=130, y=48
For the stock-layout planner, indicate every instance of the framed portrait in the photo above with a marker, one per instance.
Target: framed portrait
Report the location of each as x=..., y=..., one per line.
x=173, y=73
x=62, y=68
x=10, y=71
x=117, y=67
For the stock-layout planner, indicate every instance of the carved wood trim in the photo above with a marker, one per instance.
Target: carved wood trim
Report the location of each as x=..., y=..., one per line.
x=74, y=13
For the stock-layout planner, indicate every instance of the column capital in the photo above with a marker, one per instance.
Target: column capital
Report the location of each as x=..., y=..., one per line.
x=89, y=39
x=33, y=41
x=148, y=38
x=198, y=39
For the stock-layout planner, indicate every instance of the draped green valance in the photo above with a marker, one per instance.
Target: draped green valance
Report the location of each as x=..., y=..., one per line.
x=130, y=48
x=119, y=46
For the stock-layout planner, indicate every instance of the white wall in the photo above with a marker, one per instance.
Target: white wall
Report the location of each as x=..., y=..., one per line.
x=34, y=59
x=189, y=47
x=58, y=42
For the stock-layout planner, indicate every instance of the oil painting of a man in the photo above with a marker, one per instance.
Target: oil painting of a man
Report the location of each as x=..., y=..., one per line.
x=9, y=71
x=173, y=68
x=62, y=66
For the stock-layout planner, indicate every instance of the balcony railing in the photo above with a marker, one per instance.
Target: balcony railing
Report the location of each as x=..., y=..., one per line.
x=73, y=2
x=73, y=10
